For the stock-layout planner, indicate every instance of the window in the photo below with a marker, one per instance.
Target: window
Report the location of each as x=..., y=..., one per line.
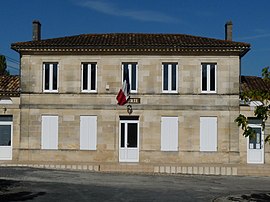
x=169, y=133
x=88, y=132
x=208, y=73
x=169, y=76
x=50, y=77
x=89, y=77
x=208, y=133
x=255, y=141
x=49, y=132
x=133, y=75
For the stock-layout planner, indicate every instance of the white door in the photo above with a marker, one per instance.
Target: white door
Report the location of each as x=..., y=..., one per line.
x=6, y=131
x=255, y=145
x=129, y=141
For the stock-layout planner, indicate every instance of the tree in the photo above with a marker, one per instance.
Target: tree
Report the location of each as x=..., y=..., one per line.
x=3, y=66
x=261, y=112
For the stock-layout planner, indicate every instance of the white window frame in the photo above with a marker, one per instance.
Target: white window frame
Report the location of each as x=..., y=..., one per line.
x=88, y=90
x=170, y=78
x=49, y=140
x=6, y=151
x=50, y=90
x=88, y=136
x=208, y=141
x=208, y=79
x=169, y=138
x=130, y=75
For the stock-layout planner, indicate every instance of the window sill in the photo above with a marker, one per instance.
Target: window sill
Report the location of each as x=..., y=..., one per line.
x=89, y=92
x=50, y=92
x=208, y=93
x=170, y=93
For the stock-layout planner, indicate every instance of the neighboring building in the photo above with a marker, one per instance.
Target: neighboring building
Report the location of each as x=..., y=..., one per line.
x=9, y=117
x=184, y=98
x=253, y=149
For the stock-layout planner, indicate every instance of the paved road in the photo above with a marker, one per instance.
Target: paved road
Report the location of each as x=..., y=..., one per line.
x=28, y=184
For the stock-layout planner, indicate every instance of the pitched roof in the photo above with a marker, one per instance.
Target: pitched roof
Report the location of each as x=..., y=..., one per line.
x=250, y=83
x=133, y=43
x=10, y=85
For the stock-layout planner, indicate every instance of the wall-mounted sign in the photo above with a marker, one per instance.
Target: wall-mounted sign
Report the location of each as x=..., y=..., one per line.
x=134, y=100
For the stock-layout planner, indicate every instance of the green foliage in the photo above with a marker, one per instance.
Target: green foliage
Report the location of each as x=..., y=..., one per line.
x=261, y=112
x=242, y=122
x=266, y=73
x=3, y=65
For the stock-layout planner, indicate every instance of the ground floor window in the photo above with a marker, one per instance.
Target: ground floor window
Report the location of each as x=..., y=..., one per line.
x=208, y=133
x=49, y=132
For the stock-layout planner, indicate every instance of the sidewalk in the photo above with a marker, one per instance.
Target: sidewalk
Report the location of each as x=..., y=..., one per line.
x=62, y=185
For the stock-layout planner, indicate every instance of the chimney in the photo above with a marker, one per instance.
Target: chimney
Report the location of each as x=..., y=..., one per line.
x=36, y=30
x=228, y=31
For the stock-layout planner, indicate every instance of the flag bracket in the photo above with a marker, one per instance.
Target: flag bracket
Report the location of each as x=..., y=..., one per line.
x=129, y=109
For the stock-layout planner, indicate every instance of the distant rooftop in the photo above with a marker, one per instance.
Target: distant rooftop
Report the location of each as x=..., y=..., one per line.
x=250, y=83
x=9, y=85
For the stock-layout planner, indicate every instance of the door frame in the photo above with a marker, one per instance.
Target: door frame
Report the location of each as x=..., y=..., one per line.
x=262, y=145
x=125, y=148
x=7, y=149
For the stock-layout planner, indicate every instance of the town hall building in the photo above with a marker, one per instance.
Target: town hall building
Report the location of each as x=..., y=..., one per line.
x=184, y=98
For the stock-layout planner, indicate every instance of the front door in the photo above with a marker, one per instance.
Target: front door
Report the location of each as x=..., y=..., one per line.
x=6, y=137
x=129, y=141
x=255, y=145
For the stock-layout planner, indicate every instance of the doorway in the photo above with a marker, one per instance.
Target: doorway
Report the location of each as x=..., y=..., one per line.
x=6, y=133
x=255, y=145
x=129, y=141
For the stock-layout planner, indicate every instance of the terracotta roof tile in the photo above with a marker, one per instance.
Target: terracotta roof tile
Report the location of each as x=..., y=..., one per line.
x=129, y=42
x=10, y=85
x=250, y=83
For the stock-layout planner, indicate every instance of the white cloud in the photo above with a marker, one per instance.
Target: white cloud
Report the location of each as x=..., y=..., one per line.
x=258, y=36
x=112, y=9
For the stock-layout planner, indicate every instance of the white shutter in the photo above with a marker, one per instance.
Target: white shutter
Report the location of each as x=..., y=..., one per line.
x=49, y=132
x=208, y=133
x=88, y=132
x=169, y=133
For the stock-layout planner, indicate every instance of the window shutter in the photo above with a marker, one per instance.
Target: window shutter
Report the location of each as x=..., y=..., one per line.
x=49, y=133
x=208, y=133
x=88, y=132
x=169, y=133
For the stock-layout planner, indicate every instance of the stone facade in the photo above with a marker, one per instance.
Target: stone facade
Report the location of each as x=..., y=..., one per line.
x=189, y=104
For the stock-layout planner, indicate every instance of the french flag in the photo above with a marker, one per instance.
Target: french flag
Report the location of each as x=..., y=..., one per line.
x=123, y=94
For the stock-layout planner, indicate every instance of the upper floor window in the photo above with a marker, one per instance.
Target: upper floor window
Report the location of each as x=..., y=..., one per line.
x=169, y=77
x=133, y=75
x=50, y=77
x=208, y=73
x=89, y=77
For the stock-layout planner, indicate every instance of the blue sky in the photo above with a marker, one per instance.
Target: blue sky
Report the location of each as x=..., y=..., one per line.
x=251, y=22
